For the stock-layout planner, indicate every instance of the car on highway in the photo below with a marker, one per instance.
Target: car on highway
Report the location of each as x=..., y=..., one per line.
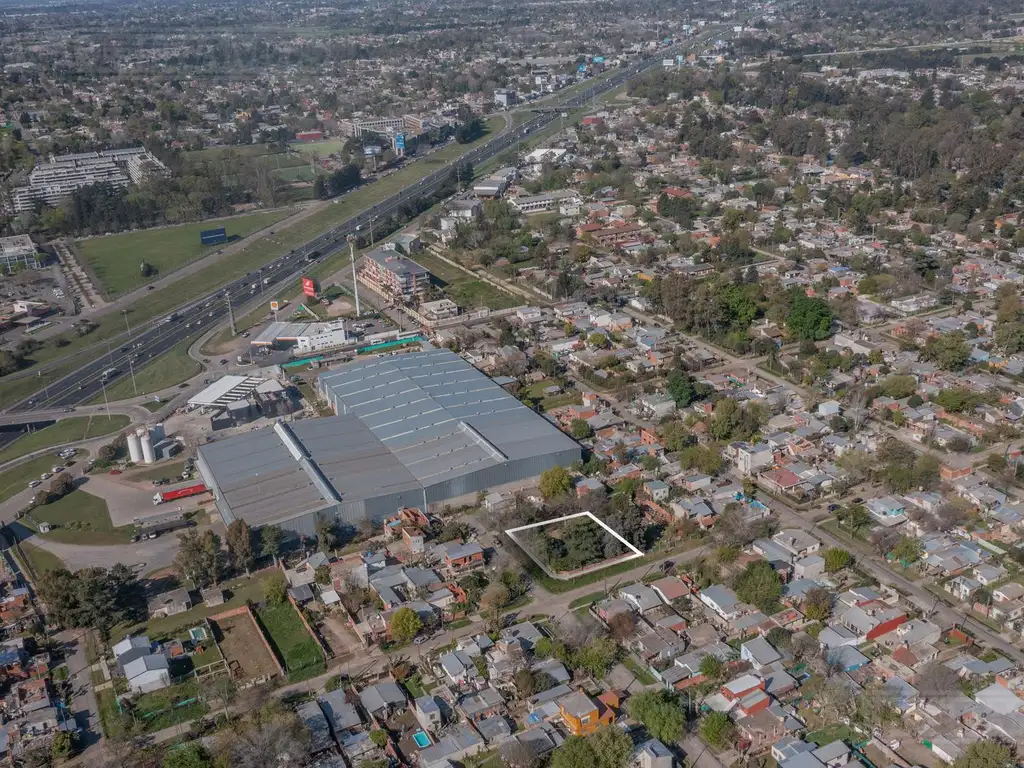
x=68, y=409
x=223, y=361
x=34, y=483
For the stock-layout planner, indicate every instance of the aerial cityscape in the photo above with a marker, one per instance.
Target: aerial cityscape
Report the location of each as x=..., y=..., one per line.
x=541, y=385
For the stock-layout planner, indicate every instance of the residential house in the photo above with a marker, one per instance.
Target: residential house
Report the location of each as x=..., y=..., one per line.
x=169, y=603
x=383, y=699
x=147, y=673
x=722, y=601
x=583, y=715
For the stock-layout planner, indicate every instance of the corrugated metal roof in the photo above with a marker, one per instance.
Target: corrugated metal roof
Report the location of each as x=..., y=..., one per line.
x=406, y=422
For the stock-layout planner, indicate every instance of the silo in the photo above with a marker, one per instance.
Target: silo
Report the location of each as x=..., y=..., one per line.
x=134, y=447
x=148, y=456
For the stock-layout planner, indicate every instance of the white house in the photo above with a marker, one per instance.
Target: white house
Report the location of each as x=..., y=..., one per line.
x=147, y=673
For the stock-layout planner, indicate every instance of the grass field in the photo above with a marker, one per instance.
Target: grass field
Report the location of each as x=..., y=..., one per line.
x=465, y=290
x=170, y=469
x=68, y=430
x=319, y=148
x=170, y=369
x=114, y=260
x=297, y=649
x=218, y=272
x=161, y=709
x=16, y=479
x=79, y=518
x=40, y=560
x=297, y=173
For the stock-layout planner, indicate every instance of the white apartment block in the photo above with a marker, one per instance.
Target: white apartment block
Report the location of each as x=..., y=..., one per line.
x=59, y=177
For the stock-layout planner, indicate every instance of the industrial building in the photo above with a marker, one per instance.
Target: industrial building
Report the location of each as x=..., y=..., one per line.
x=411, y=430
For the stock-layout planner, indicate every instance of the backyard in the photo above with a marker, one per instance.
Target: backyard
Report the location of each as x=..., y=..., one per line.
x=297, y=649
x=114, y=260
x=240, y=642
x=65, y=431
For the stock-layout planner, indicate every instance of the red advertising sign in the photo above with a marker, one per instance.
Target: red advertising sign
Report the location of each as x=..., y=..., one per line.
x=309, y=286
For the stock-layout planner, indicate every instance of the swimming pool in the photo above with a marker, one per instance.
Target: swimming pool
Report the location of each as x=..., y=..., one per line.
x=421, y=739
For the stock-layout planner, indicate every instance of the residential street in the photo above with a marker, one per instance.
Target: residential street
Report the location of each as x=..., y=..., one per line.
x=83, y=706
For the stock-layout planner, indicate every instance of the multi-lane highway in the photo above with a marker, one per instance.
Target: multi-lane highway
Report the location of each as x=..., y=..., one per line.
x=152, y=341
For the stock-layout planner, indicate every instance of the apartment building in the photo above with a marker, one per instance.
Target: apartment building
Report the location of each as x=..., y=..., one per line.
x=375, y=125
x=61, y=176
x=390, y=273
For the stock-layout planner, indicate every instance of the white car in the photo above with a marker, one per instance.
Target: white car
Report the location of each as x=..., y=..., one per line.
x=56, y=470
x=45, y=476
x=34, y=483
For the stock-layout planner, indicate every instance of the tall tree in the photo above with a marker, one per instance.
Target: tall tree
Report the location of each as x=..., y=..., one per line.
x=239, y=541
x=271, y=541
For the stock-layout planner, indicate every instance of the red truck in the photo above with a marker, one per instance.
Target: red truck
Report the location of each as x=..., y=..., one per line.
x=180, y=493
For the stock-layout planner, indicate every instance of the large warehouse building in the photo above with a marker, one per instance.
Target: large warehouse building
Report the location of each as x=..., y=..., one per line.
x=409, y=431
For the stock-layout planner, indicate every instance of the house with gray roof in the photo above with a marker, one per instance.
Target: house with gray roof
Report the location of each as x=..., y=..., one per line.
x=341, y=715
x=147, y=673
x=641, y=597
x=319, y=731
x=383, y=699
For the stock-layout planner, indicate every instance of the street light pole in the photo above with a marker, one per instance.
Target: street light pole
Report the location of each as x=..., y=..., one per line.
x=103, y=384
x=131, y=369
x=125, y=313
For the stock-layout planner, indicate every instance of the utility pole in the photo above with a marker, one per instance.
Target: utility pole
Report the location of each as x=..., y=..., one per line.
x=231, y=314
x=355, y=280
x=131, y=369
x=125, y=313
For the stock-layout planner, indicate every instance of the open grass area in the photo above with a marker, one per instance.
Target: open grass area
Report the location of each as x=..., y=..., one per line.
x=69, y=430
x=219, y=271
x=79, y=518
x=588, y=600
x=114, y=260
x=168, y=469
x=112, y=722
x=40, y=561
x=297, y=649
x=161, y=709
x=464, y=289
x=297, y=173
x=166, y=371
x=16, y=479
x=319, y=148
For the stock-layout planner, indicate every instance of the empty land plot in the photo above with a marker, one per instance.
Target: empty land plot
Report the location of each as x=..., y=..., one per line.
x=295, y=646
x=320, y=148
x=240, y=642
x=114, y=261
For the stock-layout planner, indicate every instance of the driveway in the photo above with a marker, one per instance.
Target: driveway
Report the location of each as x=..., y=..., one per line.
x=83, y=700
x=124, y=502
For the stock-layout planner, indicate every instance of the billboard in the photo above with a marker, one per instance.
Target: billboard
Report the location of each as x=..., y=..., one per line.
x=399, y=142
x=213, y=236
x=309, y=287
x=275, y=305
x=599, y=59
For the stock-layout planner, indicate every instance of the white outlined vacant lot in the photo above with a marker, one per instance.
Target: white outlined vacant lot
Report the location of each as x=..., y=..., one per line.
x=632, y=552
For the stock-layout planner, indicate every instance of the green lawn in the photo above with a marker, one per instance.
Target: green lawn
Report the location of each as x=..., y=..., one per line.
x=79, y=518
x=294, y=645
x=169, y=706
x=172, y=368
x=16, y=479
x=67, y=430
x=588, y=600
x=298, y=173
x=114, y=260
x=319, y=148
x=464, y=289
x=112, y=721
x=40, y=560
x=169, y=469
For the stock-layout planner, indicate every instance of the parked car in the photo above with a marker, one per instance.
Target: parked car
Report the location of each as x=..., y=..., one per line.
x=34, y=483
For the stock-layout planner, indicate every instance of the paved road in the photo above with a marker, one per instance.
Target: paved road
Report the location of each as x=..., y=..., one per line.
x=83, y=702
x=125, y=355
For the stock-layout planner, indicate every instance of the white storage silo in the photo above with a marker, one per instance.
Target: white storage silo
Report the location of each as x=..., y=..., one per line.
x=148, y=456
x=134, y=447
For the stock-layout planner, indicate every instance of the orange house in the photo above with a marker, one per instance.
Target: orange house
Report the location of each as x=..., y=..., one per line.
x=583, y=714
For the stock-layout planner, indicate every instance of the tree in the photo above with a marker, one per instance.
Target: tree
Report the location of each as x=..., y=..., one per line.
x=62, y=744
x=275, y=588
x=322, y=575
x=949, y=351
x=712, y=667
x=936, y=679
x=759, y=585
x=612, y=745
x=93, y=597
x=716, y=729
x=199, y=557
x=837, y=559
x=986, y=753
x=661, y=713
x=187, y=756
x=269, y=740
x=854, y=517
x=580, y=429
x=875, y=707
x=908, y=550
x=555, y=482
x=379, y=737
x=780, y=638
x=405, y=625
x=271, y=540
x=622, y=625
x=61, y=486
x=817, y=604
x=326, y=538
x=597, y=656
x=239, y=541
x=809, y=318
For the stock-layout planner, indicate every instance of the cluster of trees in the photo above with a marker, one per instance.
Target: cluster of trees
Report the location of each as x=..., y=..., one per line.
x=608, y=747
x=470, y=130
x=340, y=181
x=93, y=598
